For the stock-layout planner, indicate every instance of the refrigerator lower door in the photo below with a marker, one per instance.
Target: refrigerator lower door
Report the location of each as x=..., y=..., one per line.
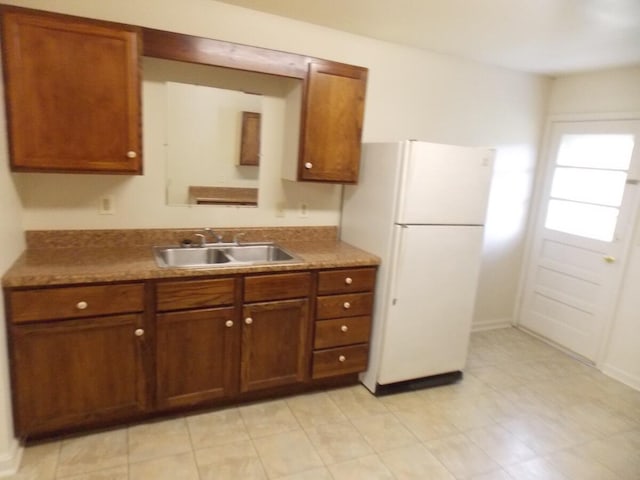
x=433, y=288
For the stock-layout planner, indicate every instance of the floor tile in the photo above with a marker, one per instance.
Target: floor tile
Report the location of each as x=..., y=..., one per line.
x=573, y=466
x=384, y=432
x=426, y=424
x=536, y=469
x=287, y=453
x=39, y=462
x=338, y=442
x=117, y=473
x=216, y=428
x=357, y=401
x=414, y=463
x=268, y=418
x=231, y=461
x=501, y=445
x=158, y=439
x=315, y=409
x=461, y=456
x=173, y=467
x=93, y=452
x=495, y=475
x=369, y=468
x=315, y=474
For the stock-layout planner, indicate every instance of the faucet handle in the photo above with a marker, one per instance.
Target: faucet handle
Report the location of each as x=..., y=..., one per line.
x=202, y=241
x=236, y=237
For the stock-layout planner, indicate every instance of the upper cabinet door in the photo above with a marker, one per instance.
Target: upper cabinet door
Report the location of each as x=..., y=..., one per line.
x=332, y=117
x=73, y=94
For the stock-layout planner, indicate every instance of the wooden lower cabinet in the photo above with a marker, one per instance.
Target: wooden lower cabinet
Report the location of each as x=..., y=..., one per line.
x=97, y=354
x=274, y=344
x=71, y=373
x=196, y=356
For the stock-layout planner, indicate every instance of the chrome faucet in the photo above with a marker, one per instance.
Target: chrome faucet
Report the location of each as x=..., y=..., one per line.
x=214, y=235
x=202, y=241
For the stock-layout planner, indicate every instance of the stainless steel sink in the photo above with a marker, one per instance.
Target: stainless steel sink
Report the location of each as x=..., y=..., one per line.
x=216, y=255
x=258, y=253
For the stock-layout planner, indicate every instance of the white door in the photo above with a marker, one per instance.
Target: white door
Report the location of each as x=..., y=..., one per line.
x=433, y=290
x=582, y=233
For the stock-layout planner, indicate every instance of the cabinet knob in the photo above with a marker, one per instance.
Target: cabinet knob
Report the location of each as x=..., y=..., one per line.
x=348, y=280
x=228, y=323
x=346, y=305
x=248, y=320
x=308, y=165
x=342, y=358
x=344, y=328
x=609, y=259
x=138, y=332
x=82, y=305
x=131, y=154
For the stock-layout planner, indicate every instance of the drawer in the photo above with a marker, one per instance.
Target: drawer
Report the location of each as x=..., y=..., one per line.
x=195, y=294
x=351, y=305
x=340, y=361
x=342, y=331
x=346, y=280
x=73, y=302
x=261, y=288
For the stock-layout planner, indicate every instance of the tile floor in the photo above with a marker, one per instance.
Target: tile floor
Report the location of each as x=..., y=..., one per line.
x=524, y=411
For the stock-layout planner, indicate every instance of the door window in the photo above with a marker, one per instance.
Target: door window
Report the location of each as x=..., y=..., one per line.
x=588, y=183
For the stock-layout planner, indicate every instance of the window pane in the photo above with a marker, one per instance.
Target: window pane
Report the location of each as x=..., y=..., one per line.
x=591, y=221
x=604, y=187
x=596, y=151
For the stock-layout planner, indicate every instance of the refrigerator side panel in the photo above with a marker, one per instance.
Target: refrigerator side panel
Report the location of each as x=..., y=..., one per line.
x=428, y=317
x=367, y=222
x=445, y=184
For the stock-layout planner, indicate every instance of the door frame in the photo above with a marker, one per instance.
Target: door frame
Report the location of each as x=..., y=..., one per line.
x=537, y=197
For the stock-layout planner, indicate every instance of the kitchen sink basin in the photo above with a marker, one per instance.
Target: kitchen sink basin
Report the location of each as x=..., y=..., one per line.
x=215, y=255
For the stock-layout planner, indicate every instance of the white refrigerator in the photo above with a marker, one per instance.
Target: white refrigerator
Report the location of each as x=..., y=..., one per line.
x=421, y=208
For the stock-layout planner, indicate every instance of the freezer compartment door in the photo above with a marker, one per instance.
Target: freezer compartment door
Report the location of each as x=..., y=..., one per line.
x=433, y=288
x=444, y=184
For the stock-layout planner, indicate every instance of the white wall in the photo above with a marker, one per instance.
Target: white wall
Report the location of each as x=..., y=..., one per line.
x=411, y=94
x=596, y=94
x=11, y=244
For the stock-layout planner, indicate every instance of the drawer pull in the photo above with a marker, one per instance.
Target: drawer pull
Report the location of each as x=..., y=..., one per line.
x=138, y=332
x=346, y=305
x=248, y=320
x=342, y=358
x=308, y=165
x=131, y=154
x=82, y=305
x=228, y=323
x=344, y=328
x=348, y=280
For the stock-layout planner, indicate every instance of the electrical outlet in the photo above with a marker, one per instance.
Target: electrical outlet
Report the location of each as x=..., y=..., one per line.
x=107, y=205
x=303, y=211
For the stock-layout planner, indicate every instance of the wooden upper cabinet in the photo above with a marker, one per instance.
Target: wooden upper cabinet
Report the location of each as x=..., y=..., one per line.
x=331, y=130
x=72, y=92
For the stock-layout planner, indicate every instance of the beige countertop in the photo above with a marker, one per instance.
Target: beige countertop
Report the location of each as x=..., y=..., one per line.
x=54, y=264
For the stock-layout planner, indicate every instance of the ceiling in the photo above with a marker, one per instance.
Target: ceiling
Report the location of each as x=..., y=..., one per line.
x=540, y=36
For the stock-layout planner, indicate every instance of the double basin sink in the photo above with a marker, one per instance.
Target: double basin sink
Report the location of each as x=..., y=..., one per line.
x=221, y=255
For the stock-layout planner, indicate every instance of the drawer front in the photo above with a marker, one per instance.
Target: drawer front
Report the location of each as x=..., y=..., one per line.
x=73, y=302
x=261, y=288
x=347, y=280
x=351, y=305
x=342, y=331
x=340, y=361
x=195, y=294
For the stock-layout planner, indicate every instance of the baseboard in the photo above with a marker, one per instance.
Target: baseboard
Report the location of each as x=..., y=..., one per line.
x=491, y=324
x=631, y=380
x=10, y=460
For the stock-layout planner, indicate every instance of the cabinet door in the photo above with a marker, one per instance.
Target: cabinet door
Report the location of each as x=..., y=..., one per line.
x=332, y=123
x=76, y=372
x=196, y=356
x=275, y=343
x=73, y=94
